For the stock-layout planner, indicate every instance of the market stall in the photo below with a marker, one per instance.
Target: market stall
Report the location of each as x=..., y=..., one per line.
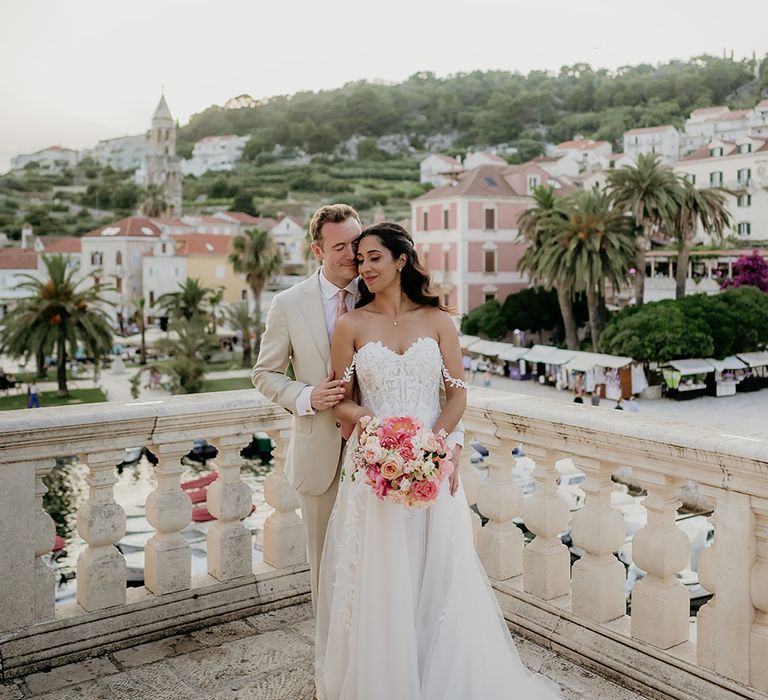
x=756, y=374
x=512, y=356
x=728, y=372
x=545, y=362
x=607, y=375
x=686, y=379
x=488, y=352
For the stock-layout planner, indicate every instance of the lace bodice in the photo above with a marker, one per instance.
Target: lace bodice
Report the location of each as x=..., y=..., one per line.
x=393, y=384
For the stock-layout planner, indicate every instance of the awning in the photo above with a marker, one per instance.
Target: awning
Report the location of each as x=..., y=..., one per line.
x=489, y=348
x=692, y=366
x=466, y=340
x=727, y=363
x=584, y=361
x=558, y=356
x=754, y=359
x=538, y=353
x=512, y=353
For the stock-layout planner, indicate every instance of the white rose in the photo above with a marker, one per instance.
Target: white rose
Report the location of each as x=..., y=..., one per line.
x=405, y=485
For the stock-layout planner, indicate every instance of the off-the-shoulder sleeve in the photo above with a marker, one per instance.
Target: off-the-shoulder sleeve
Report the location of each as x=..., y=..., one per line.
x=349, y=372
x=451, y=381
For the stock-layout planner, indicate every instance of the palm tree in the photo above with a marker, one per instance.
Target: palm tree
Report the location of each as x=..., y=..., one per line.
x=153, y=202
x=190, y=301
x=239, y=319
x=214, y=301
x=535, y=226
x=58, y=314
x=256, y=256
x=189, y=350
x=141, y=322
x=592, y=243
x=651, y=195
x=705, y=206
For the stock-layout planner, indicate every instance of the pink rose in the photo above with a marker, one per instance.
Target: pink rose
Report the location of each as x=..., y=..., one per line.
x=372, y=473
x=424, y=491
x=400, y=424
x=407, y=453
x=446, y=468
x=388, y=442
x=381, y=487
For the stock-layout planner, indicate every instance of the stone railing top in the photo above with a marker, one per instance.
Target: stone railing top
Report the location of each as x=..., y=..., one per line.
x=712, y=456
x=50, y=432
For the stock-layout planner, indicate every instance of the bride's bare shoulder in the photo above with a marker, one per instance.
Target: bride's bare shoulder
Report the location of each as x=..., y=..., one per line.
x=439, y=321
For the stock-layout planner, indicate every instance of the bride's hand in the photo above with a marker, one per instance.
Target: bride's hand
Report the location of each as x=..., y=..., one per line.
x=453, y=479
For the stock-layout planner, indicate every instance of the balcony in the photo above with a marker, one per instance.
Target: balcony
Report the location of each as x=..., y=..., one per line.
x=184, y=626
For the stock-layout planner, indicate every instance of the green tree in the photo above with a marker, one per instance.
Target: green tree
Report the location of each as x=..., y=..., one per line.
x=652, y=196
x=593, y=243
x=255, y=255
x=239, y=318
x=536, y=226
x=534, y=309
x=190, y=346
x=191, y=301
x=153, y=201
x=706, y=206
x=59, y=313
x=486, y=320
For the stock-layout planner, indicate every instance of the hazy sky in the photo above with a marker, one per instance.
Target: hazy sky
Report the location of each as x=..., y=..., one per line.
x=78, y=71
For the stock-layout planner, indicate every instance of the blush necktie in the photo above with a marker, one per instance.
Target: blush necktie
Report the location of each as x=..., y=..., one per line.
x=341, y=309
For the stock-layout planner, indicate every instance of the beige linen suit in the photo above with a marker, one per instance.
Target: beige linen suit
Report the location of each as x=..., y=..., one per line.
x=296, y=333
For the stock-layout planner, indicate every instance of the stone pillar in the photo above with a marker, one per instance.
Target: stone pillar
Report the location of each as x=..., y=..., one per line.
x=547, y=561
x=45, y=533
x=285, y=543
x=723, y=624
x=167, y=557
x=101, y=523
x=597, y=592
x=499, y=498
x=470, y=482
x=758, y=647
x=229, y=499
x=660, y=603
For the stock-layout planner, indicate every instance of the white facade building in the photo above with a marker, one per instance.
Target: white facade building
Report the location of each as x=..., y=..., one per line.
x=663, y=141
x=163, y=270
x=15, y=262
x=438, y=170
x=121, y=153
x=585, y=153
x=51, y=160
x=477, y=158
x=710, y=123
x=214, y=153
x=742, y=167
x=290, y=236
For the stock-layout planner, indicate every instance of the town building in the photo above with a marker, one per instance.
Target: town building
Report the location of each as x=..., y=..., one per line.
x=121, y=153
x=740, y=166
x=476, y=158
x=663, y=141
x=290, y=235
x=51, y=160
x=162, y=167
x=217, y=153
x=15, y=263
x=438, y=169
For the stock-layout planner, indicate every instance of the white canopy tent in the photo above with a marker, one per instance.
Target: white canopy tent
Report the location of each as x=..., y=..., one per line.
x=539, y=353
x=727, y=363
x=512, y=353
x=584, y=361
x=691, y=366
x=489, y=348
x=754, y=359
x=466, y=340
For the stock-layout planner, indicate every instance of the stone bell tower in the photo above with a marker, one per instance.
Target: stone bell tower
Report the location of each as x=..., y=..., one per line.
x=163, y=166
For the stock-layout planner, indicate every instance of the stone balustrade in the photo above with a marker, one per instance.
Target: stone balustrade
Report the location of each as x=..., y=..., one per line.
x=579, y=610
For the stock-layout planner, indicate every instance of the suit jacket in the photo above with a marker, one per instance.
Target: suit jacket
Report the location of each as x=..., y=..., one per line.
x=296, y=333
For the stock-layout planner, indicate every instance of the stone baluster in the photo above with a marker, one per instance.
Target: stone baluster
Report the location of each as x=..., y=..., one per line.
x=499, y=498
x=723, y=624
x=470, y=482
x=101, y=523
x=45, y=533
x=599, y=578
x=660, y=603
x=167, y=556
x=758, y=647
x=547, y=561
x=285, y=543
x=229, y=499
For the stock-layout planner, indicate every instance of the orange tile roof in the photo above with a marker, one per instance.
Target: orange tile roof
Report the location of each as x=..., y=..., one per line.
x=69, y=244
x=482, y=181
x=649, y=129
x=131, y=226
x=583, y=143
x=17, y=259
x=202, y=244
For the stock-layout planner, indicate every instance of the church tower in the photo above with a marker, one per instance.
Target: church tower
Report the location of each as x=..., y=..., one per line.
x=163, y=166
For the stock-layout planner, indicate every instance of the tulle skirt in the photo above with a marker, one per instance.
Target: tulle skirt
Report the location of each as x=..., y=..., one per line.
x=405, y=610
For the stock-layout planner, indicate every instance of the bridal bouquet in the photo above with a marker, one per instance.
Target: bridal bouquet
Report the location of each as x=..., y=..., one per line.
x=401, y=460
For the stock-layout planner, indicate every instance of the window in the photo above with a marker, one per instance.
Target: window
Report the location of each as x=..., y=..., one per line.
x=716, y=179
x=489, y=296
x=119, y=284
x=97, y=281
x=446, y=219
x=744, y=175
x=533, y=183
x=690, y=177
x=96, y=258
x=490, y=219
x=151, y=298
x=244, y=294
x=744, y=200
x=446, y=260
x=715, y=152
x=744, y=228
x=745, y=148
x=490, y=261
x=162, y=248
x=425, y=221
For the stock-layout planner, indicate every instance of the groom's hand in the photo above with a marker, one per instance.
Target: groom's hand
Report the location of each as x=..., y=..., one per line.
x=453, y=479
x=327, y=394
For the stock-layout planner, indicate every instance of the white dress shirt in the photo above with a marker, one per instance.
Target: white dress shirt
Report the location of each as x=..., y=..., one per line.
x=330, y=300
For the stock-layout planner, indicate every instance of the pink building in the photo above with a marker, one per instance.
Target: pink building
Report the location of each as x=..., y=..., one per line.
x=466, y=233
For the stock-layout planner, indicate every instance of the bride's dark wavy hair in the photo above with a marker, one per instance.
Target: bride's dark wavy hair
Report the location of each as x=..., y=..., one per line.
x=414, y=279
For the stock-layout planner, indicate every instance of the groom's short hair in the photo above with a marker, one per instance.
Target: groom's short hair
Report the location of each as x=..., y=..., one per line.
x=330, y=214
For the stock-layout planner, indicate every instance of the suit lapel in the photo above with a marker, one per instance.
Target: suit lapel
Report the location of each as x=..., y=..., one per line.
x=312, y=311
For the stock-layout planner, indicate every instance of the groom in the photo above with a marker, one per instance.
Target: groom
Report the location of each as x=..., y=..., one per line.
x=299, y=326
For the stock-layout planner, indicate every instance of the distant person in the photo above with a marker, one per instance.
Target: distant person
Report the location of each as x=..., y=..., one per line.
x=487, y=378
x=595, y=398
x=618, y=405
x=578, y=399
x=474, y=366
x=632, y=405
x=466, y=362
x=32, y=399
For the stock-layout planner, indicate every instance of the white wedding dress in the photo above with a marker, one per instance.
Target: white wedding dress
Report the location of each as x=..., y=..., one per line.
x=405, y=610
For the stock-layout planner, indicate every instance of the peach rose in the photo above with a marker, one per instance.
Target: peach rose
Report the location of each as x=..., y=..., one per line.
x=424, y=491
x=391, y=468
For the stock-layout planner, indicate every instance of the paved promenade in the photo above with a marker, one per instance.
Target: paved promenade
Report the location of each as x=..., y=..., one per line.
x=263, y=657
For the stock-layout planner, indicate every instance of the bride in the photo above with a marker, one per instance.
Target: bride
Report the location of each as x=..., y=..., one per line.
x=405, y=610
